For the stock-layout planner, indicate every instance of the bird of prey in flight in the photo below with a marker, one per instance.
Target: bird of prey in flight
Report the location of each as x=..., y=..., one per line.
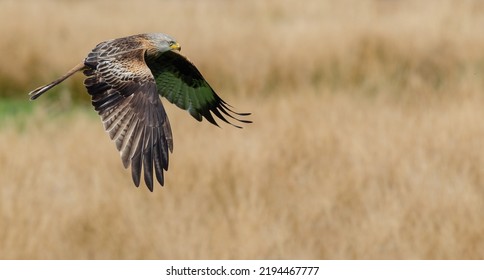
x=125, y=77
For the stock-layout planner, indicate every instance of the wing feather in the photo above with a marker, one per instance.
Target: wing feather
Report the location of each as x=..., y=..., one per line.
x=182, y=84
x=127, y=142
x=148, y=157
x=124, y=94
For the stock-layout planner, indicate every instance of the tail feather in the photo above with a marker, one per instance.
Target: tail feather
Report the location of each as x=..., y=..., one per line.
x=40, y=90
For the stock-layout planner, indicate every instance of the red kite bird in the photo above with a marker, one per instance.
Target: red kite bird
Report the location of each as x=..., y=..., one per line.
x=125, y=77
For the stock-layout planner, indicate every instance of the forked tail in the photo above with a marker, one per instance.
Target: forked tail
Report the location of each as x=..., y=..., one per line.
x=40, y=90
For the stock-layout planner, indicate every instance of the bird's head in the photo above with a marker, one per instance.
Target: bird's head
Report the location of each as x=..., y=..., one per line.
x=163, y=42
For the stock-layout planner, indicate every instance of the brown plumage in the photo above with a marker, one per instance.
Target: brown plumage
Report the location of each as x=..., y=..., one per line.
x=125, y=77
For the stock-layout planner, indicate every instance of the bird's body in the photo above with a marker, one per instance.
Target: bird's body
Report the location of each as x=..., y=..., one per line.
x=125, y=77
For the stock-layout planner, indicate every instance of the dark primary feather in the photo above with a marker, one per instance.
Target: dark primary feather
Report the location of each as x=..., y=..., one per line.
x=182, y=84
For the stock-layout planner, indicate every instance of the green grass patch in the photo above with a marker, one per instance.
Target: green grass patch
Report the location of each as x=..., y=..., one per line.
x=15, y=107
x=18, y=112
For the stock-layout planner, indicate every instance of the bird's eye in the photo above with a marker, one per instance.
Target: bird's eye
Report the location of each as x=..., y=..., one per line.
x=171, y=43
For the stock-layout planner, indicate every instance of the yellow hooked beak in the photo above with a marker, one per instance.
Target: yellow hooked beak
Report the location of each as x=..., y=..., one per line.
x=175, y=46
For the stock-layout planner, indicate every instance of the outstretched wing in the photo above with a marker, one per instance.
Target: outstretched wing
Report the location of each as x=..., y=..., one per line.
x=124, y=94
x=182, y=84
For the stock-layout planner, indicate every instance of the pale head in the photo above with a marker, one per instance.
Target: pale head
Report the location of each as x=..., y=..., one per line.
x=163, y=42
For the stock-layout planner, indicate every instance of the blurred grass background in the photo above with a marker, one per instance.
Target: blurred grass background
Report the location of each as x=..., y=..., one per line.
x=366, y=142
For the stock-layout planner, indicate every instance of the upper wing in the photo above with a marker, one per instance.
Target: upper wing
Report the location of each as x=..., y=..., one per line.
x=124, y=94
x=181, y=83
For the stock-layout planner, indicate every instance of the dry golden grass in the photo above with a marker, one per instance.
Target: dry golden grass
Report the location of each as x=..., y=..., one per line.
x=366, y=142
